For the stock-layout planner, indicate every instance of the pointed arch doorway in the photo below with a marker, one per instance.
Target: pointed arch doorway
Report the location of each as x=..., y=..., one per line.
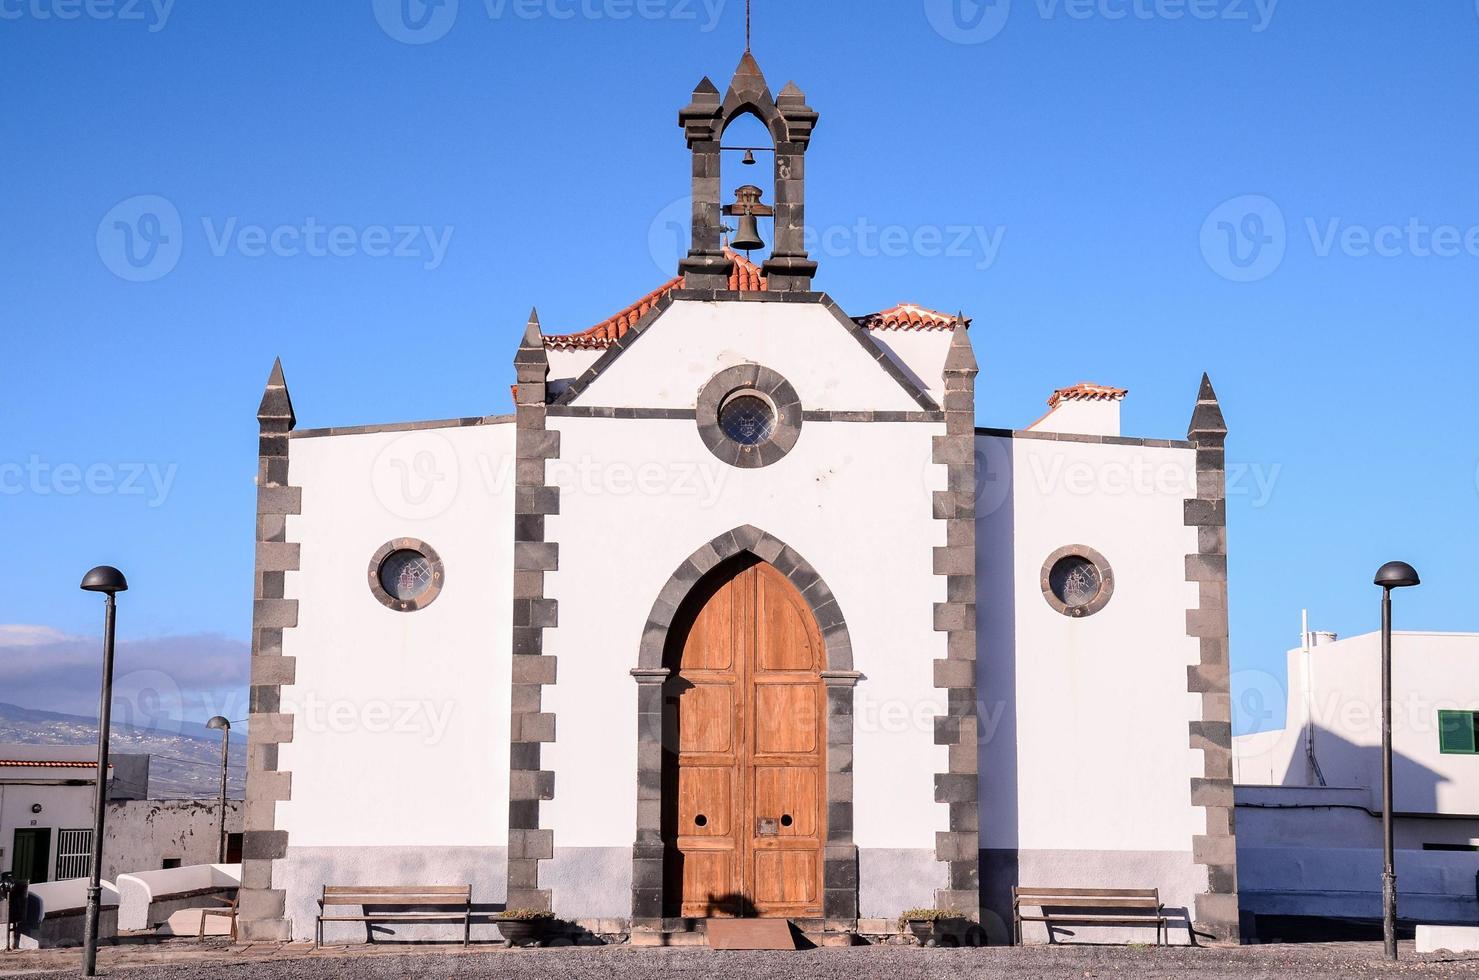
x=744, y=815
x=745, y=706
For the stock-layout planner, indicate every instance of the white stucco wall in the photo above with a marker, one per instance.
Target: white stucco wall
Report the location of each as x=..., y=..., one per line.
x=400, y=720
x=920, y=353
x=1088, y=418
x=1086, y=719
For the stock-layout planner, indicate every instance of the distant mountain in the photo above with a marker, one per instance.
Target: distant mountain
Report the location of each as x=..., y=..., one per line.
x=184, y=764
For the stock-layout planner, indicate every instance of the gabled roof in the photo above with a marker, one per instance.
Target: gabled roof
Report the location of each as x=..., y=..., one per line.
x=1086, y=391
x=746, y=278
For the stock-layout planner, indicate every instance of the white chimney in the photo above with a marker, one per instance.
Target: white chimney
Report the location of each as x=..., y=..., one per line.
x=1084, y=409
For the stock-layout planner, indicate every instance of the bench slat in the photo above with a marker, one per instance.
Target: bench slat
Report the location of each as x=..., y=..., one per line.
x=396, y=917
x=397, y=890
x=393, y=900
x=1091, y=903
x=1088, y=892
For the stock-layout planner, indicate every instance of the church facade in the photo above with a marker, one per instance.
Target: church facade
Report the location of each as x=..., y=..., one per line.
x=740, y=613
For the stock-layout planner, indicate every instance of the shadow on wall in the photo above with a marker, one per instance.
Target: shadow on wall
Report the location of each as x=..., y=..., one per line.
x=996, y=680
x=1346, y=764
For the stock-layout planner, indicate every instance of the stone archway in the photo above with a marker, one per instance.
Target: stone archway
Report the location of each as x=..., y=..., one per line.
x=840, y=875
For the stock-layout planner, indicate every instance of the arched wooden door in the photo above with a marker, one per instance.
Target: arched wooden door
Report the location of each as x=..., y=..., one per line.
x=744, y=812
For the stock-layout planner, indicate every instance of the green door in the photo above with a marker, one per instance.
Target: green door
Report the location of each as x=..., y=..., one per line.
x=32, y=854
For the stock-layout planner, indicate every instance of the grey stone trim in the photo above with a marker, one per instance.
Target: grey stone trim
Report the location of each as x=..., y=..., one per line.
x=530, y=727
x=829, y=415
x=262, y=907
x=840, y=858
x=767, y=384
x=959, y=785
x=1217, y=911
x=595, y=412
x=361, y=430
x=438, y=575
x=1106, y=578
x=1090, y=440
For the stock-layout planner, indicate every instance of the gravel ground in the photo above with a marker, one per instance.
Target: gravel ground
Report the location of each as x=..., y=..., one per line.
x=1343, y=960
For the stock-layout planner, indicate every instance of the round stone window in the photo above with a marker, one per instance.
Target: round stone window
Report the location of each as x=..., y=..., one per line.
x=749, y=416
x=747, y=419
x=406, y=575
x=1077, y=581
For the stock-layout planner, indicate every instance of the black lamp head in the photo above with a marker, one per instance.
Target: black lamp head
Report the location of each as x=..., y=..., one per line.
x=1397, y=575
x=104, y=578
x=219, y=722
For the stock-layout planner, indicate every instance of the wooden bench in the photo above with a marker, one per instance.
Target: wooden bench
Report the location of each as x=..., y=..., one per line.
x=1090, y=907
x=432, y=903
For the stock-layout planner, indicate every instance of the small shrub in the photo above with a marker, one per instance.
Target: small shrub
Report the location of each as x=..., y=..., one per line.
x=526, y=915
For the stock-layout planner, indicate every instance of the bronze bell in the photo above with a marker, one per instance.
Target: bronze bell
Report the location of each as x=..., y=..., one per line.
x=748, y=209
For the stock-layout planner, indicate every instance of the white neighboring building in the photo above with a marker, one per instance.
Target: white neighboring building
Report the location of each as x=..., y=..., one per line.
x=46, y=816
x=1309, y=794
x=46, y=806
x=741, y=613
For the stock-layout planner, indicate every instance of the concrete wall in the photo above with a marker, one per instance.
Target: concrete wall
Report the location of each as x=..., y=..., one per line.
x=400, y=720
x=141, y=834
x=1085, y=764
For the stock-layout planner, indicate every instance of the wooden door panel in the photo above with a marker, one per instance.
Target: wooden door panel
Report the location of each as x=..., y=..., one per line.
x=787, y=791
x=786, y=878
x=711, y=885
x=785, y=632
x=706, y=718
x=710, y=642
x=787, y=717
x=706, y=801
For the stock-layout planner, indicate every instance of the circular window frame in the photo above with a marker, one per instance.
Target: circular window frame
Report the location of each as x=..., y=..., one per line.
x=438, y=575
x=763, y=383
x=1106, y=580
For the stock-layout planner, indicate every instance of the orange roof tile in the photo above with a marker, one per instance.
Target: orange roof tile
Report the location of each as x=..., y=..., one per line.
x=909, y=316
x=745, y=278
x=44, y=764
x=1086, y=391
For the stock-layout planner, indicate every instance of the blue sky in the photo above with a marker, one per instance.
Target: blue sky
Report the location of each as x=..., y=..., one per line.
x=1125, y=191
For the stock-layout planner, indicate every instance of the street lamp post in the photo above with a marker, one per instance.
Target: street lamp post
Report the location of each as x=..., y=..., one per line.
x=224, y=725
x=1392, y=575
x=109, y=581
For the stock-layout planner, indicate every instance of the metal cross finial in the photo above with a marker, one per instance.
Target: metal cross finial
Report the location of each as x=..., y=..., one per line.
x=747, y=25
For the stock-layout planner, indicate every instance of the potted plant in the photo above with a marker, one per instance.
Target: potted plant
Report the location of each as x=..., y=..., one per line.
x=523, y=927
x=934, y=927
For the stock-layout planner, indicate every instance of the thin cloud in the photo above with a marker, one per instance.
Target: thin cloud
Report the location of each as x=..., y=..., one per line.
x=157, y=682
